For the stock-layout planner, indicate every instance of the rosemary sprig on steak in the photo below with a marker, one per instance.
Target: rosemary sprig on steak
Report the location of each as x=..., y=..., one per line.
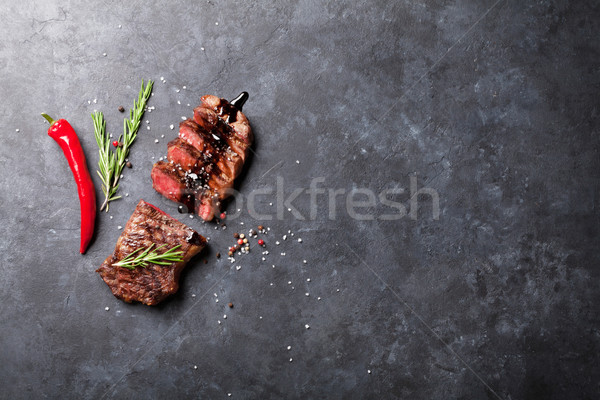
x=151, y=257
x=111, y=164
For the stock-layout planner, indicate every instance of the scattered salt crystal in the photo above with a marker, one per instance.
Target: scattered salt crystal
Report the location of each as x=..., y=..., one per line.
x=184, y=87
x=202, y=48
x=224, y=316
x=119, y=26
x=307, y=326
x=155, y=140
x=238, y=267
x=277, y=242
x=162, y=78
x=177, y=90
x=193, y=295
x=289, y=347
x=307, y=294
x=162, y=136
x=195, y=367
x=297, y=162
x=183, y=118
x=103, y=54
x=219, y=322
x=95, y=101
x=299, y=240
x=283, y=254
x=289, y=282
x=368, y=371
x=337, y=290
x=307, y=279
x=191, y=216
x=291, y=359
x=126, y=194
x=303, y=261
x=119, y=227
x=318, y=298
x=216, y=23
x=106, y=308
x=171, y=126
x=111, y=217
x=178, y=102
x=17, y=130
x=284, y=237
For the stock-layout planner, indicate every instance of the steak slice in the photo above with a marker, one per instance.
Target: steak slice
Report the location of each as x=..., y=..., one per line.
x=173, y=182
x=207, y=157
x=213, y=148
x=150, y=285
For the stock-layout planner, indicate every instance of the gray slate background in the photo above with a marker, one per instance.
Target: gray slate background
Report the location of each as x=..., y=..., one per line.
x=494, y=104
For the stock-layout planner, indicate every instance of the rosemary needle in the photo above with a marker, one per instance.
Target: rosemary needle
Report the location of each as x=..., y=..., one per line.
x=111, y=163
x=151, y=257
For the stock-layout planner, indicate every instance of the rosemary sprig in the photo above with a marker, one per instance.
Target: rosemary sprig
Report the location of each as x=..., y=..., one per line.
x=111, y=163
x=151, y=257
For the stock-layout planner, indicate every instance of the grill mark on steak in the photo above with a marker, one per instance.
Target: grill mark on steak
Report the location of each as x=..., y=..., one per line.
x=149, y=225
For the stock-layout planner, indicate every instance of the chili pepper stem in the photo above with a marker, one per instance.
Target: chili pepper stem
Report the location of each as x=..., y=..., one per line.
x=48, y=118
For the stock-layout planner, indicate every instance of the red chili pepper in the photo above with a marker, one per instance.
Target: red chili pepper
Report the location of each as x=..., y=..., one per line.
x=64, y=134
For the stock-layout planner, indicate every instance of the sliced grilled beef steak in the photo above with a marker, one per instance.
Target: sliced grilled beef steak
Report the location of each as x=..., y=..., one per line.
x=207, y=157
x=150, y=285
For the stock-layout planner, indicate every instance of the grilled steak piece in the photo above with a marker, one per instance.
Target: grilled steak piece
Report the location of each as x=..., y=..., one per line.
x=150, y=285
x=211, y=149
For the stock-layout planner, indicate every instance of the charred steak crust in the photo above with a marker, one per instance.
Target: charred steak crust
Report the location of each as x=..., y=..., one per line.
x=211, y=149
x=151, y=285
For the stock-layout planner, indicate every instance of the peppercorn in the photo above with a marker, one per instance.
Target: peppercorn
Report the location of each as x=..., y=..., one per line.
x=260, y=227
x=116, y=143
x=128, y=164
x=236, y=235
x=230, y=253
x=261, y=242
x=252, y=232
x=205, y=261
x=223, y=215
x=121, y=109
x=244, y=241
x=218, y=255
x=242, y=236
x=230, y=305
x=240, y=241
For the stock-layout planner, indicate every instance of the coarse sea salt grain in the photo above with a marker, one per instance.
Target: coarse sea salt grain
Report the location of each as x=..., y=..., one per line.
x=106, y=308
x=171, y=126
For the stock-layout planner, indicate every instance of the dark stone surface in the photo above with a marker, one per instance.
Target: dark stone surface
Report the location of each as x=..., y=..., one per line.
x=494, y=105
